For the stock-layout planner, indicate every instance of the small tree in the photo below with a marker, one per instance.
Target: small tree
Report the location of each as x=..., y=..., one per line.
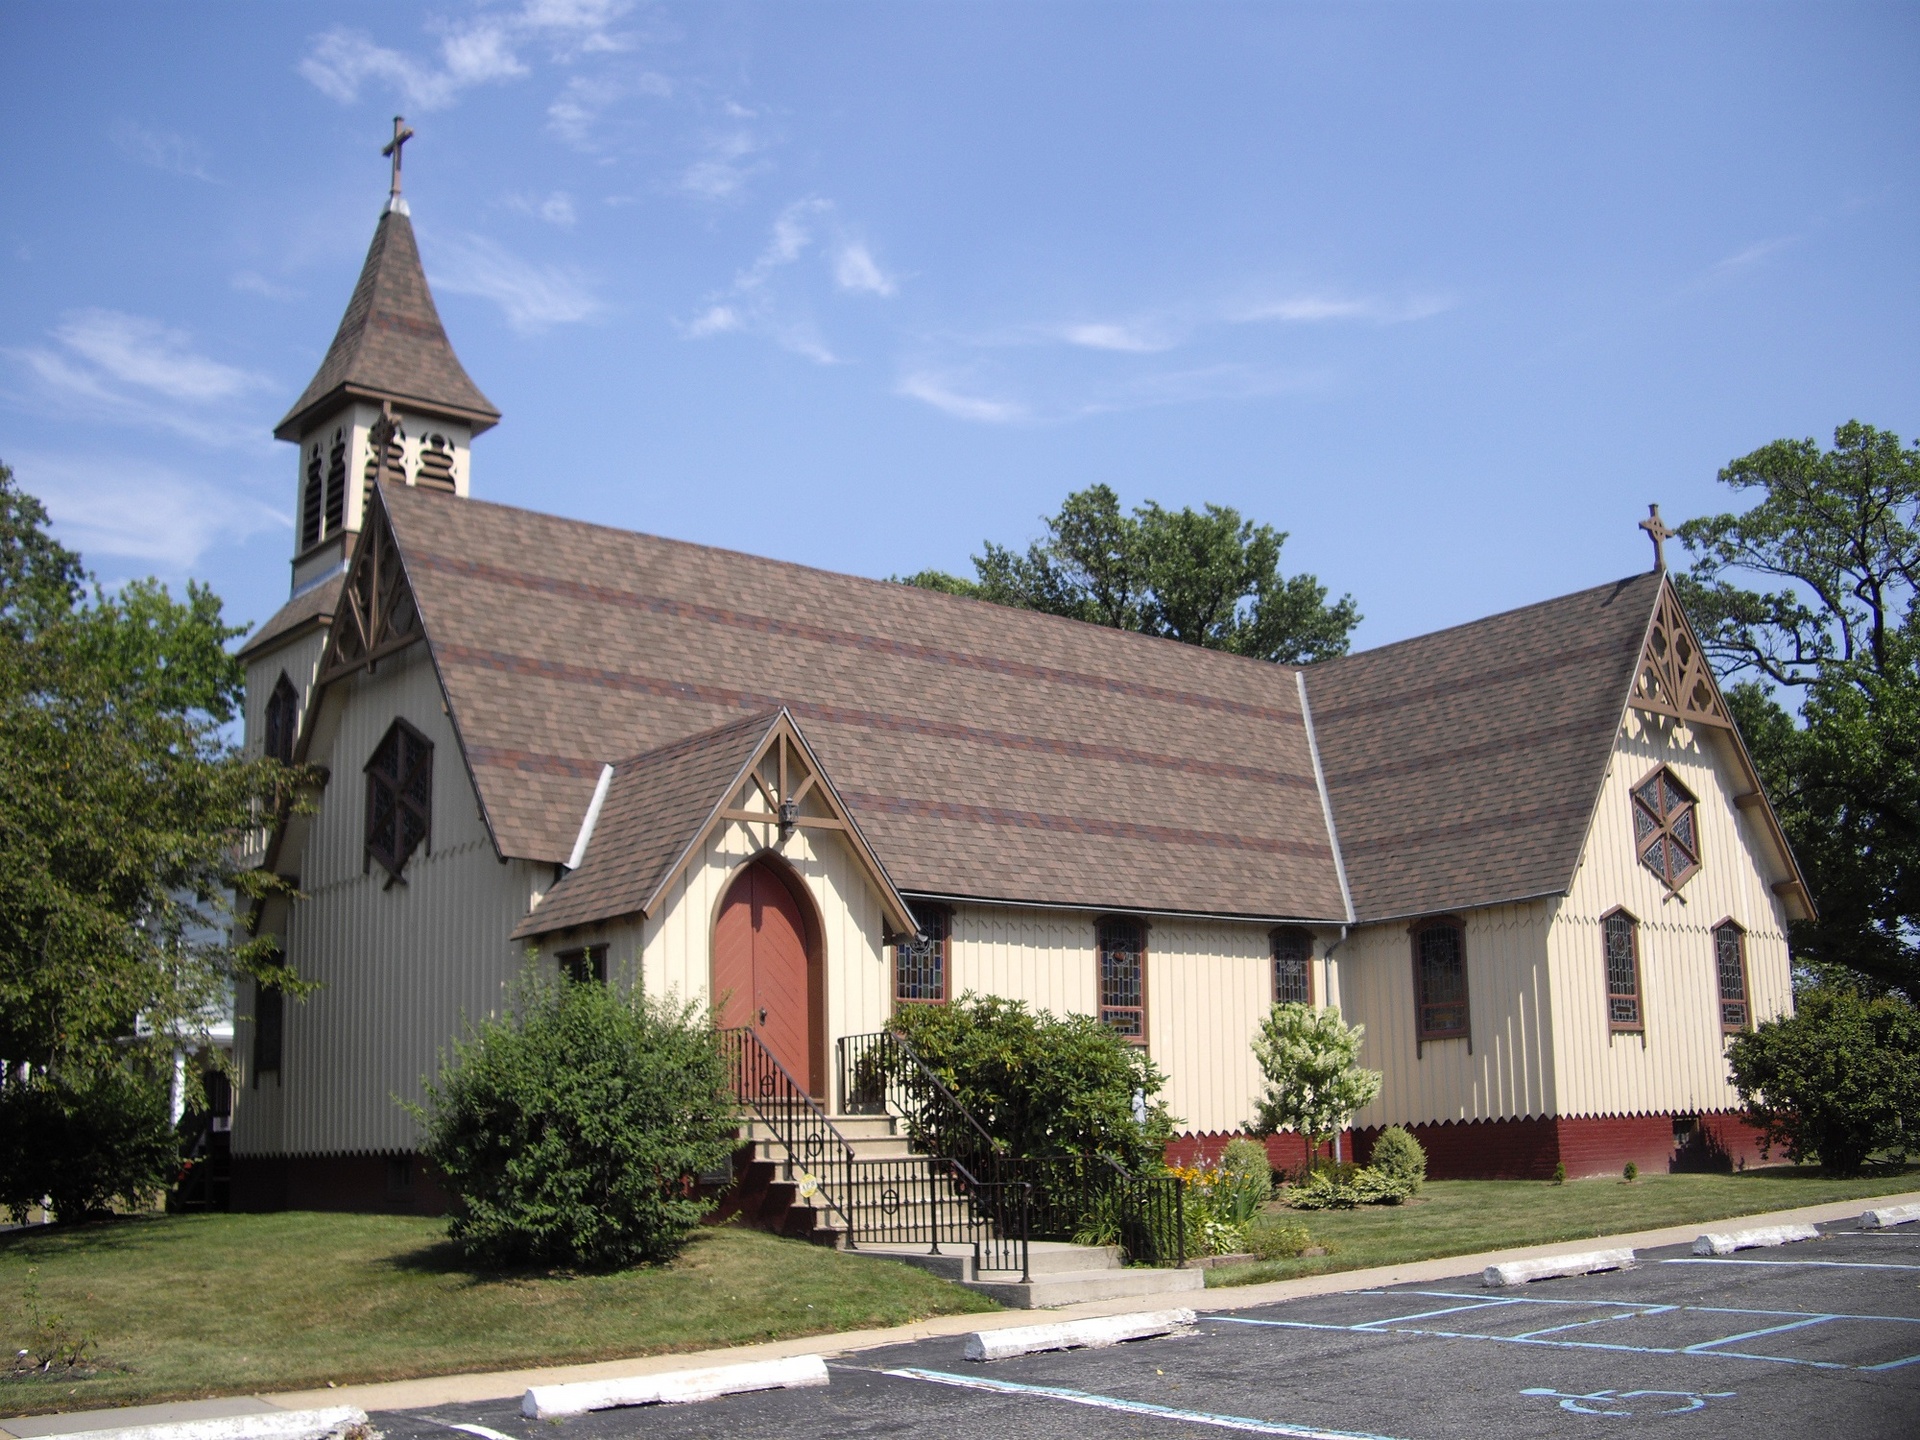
x=1836, y=1081
x=570, y=1131
x=1311, y=1060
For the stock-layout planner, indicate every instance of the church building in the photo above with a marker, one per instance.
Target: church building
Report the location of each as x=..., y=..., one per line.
x=1530, y=854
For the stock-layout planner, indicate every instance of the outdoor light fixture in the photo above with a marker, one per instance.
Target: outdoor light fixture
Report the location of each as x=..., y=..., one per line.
x=789, y=816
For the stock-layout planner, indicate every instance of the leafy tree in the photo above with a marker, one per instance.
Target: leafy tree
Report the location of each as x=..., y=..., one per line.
x=1040, y=1084
x=1837, y=1081
x=1311, y=1061
x=121, y=806
x=1203, y=577
x=1836, y=535
x=569, y=1132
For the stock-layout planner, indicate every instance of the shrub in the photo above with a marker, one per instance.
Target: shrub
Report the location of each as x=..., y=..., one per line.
x=568, y=1132
x=1631, y=1173
x=1834, y=1082
x=1274, y=1239
x=85, y=1141
x=1311, y=1061
x=1398, y=1154
x=1335, y=1187
x=1245, y=1181
x=1040, y=1084
x=1559, y=1172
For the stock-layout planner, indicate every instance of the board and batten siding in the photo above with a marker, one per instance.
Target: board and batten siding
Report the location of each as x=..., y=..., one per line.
x=1209, y=984
x=299, y=660
x=1508, y=1072
x=401, y=967
x=1680, y=1066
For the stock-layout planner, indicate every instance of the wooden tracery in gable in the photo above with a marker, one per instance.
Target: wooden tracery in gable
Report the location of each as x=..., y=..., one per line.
x=1673, y=678
x=794, y=778
x=377, y=614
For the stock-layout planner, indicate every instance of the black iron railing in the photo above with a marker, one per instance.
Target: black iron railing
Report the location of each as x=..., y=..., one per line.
x=1091, y=1199
x=813, y=1145
x=926, y=1200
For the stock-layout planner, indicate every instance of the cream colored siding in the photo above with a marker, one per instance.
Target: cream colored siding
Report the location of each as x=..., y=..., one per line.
x=1509, y=1071
x=1209, y=984
x=1681, y=1065
x=299, y=661
x=401, y=966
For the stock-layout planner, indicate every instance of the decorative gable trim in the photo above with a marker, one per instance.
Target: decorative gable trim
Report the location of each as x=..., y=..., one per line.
x=1673, y=677
x=799, y=775
x=377, y=614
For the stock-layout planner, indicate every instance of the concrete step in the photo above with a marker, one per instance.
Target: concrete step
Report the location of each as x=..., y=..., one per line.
x=1049, y=1258
x=854, y=1127
x=1071, y=1287
x=865, y=1147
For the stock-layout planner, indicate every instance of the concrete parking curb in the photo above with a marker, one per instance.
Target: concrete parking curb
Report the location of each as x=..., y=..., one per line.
x=511, y=1384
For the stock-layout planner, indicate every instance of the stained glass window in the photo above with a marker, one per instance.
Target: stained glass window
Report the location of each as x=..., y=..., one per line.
x=1666, y=828
x=282, y=720
x=584, y=963
x=1440, y=969
x=399, y=796
x=1622, y=940
x=1292, y=967
x=920, y=961
x=1730, y=961
x=1123, y=977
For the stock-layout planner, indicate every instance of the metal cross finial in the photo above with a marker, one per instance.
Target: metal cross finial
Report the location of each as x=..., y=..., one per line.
x=401, y=134
x=1657, y=528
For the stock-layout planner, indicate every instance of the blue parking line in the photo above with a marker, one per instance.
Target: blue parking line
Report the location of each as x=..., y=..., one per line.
x=1243, y=1423
x=1702, y=1346
x=1822, y=1264
x=1429, y=1314
x=1595, y=1320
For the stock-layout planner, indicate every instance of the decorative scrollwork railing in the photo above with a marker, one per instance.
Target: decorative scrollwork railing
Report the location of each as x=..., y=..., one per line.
x=813, y=1145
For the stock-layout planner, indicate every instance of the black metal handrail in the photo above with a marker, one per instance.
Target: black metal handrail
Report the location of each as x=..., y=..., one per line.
x=881, y=1073
x=765, y=1086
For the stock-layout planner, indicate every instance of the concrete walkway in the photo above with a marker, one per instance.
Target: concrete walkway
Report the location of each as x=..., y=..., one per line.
x=508, y=1384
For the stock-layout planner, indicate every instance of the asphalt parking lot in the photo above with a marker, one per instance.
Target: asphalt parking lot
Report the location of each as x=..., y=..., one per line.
x=1819, y=1337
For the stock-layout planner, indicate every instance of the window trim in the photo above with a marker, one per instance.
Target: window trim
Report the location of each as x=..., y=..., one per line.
x=576, y=959
x=368, y=855
x=1746, y=978
x=1664, y=827
x=924, y=911
x=1637, y=1025
x=1100, y=925
x=1273, y=957
x=1421, y=1034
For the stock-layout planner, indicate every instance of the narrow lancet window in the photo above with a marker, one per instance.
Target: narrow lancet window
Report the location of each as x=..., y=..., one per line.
x=1730, y=963
x=1123, y=976
x=920, y=961
x=1621, y=934
x=1440, y=979
x=1292, y=967
x=282, y=720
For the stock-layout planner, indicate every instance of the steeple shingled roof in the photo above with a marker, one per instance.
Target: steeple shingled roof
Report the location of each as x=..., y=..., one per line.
x=391, y=345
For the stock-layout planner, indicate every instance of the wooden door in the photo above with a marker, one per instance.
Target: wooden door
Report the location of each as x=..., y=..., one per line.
x=762, y=977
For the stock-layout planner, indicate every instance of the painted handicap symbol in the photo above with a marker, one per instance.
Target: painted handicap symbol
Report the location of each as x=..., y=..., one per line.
x=1621, y=1402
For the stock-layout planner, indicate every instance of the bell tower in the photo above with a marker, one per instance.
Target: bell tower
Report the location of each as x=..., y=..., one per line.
x=391, y=402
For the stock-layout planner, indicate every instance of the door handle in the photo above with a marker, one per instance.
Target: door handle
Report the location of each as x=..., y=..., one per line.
x=763, y=1014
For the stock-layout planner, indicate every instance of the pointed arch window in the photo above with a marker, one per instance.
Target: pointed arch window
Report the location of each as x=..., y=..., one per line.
x=1122, y=943
x=1292, y=966
x=920, y=961
x=399, y=797
x=1730, y=966
x=1666, y=828
x=1620, y=934
x=282, y=720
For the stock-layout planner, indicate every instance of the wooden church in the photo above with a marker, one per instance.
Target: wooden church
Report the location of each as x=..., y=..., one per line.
x=1530, y=854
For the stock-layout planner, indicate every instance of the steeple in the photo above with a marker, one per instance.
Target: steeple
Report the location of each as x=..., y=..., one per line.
x=390, y=372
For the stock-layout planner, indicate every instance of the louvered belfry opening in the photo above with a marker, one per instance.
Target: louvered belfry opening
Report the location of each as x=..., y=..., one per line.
x=312, y=498
x=396, y=462
x=436, y=465
x=336, y=512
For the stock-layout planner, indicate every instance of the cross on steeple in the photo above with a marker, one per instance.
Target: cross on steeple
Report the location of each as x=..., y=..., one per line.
x=1658, y=529
x=401, y=134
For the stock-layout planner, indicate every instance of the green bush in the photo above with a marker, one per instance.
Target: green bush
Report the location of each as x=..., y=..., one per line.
x=1343, y=1187
x=1835, y=1082
x=1243, y=1183
x=1398, y=1155
x=569, y=1132
x=85, y=1141
x=1274, y=1239
x=1040, y=1084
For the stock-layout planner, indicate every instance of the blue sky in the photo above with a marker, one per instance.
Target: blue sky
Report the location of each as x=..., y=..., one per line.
x=1447, y=292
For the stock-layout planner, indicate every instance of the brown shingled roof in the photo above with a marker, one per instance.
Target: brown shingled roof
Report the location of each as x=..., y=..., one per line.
x=985, y=752
x=391, y=345
x=1463, y=766
x=315, y=607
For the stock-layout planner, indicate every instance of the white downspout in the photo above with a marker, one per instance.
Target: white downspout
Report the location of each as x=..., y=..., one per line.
x=592, y=817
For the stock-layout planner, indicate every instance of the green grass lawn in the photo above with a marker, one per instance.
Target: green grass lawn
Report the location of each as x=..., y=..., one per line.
x=196, y=1305
x=1462, y=1217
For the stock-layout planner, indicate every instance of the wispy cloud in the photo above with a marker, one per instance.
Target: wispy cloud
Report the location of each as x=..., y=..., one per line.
x=163, y=150
x=533, y=297
x=1321, y=309
x=1751, y=255
x=726, y=162
x=129, y=369
x=752, y=304
x=1125, y=338
x=254, y=283
x=938, y=392
x=577, y=113
x=133, y=510
x=479, y=51
x=555, y=209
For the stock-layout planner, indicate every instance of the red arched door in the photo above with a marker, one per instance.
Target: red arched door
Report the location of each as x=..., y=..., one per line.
x=763, y=977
